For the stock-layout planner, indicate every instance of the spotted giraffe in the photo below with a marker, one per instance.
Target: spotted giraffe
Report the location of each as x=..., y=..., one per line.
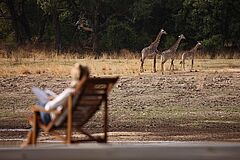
x=170, y=53
x=190, y=54
x=151, y=50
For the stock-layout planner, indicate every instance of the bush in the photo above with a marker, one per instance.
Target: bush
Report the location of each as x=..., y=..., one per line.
x=213, y=43
x=118, y=36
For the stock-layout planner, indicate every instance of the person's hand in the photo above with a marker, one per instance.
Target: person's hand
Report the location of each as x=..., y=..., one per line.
x=50, y=98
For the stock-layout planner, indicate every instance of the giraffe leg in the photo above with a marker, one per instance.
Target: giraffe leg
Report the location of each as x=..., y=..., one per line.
x=192, y=65
x=141, y=67
x=183, y=64
x=154, y=63
x=162, y=67
x=171, y=65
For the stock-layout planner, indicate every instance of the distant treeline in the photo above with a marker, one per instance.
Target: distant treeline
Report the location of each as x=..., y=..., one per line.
x=112, y=25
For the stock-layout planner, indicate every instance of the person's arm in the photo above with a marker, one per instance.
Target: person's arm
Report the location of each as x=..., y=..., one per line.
x=59, y=100
x=50, y=93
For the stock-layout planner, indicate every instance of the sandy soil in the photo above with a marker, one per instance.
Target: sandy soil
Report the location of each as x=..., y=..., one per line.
x=189, y=106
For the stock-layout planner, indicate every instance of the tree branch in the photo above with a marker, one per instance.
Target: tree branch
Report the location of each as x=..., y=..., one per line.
x=80, y=24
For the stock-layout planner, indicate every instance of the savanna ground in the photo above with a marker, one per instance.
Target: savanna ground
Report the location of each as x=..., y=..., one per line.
x=203, y=105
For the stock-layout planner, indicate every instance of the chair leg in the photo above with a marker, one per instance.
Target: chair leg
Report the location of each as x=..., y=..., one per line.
x=28, y=140
x=69, y=121
x=69, y=134
x=34, y=129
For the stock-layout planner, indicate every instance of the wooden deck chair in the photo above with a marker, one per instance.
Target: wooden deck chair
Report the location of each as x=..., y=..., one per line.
x=90, y=95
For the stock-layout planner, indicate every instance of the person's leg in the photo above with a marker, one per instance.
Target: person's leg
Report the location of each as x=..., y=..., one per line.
x=45, y=117
x=42, y=99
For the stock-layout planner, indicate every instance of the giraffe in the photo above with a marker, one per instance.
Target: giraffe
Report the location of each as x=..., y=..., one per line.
x=170, y=53
x=189, y=53
x=151, y=50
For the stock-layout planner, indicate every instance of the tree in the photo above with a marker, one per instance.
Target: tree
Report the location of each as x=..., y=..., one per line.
x=15, y=11
x=54, y=8
x=212, y=21
x=110, y=25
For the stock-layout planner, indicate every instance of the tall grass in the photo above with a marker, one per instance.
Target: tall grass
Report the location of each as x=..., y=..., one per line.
x=28, y=51
x=22, y=62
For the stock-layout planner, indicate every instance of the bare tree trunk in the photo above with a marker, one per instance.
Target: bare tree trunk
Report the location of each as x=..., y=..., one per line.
x=42, y=28
x=24, y=22
x=14, y=18
x=95, y=30
x=57, y=30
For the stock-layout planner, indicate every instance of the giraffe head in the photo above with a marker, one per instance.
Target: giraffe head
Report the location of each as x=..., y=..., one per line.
x=163, y=32
x=199, y=44
x=181, y=36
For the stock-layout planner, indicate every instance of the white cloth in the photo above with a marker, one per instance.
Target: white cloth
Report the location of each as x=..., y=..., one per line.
x=58, y=102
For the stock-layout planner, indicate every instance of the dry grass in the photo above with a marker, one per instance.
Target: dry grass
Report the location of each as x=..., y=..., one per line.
x=61, y=67
x=122, y=63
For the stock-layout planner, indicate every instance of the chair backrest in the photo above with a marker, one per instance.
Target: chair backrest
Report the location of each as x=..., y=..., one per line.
x=90, y=97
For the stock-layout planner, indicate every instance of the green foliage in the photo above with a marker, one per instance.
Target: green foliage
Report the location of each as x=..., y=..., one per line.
x=5, y=29
x=170, y=40
x=5, y=25
x=45, y=5
x=142, y=39
x=118, y=36
x=213, y=43
x=142, y=9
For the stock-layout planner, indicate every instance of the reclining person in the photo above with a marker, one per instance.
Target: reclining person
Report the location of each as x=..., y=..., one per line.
x=50, y=101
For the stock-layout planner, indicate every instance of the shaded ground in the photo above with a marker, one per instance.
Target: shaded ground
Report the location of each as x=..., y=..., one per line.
x=183, y=106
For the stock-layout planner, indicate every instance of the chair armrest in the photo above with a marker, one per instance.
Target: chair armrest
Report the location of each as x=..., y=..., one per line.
x=36, y=108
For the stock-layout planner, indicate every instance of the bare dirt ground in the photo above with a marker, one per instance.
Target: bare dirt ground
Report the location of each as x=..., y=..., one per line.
x=185, y=106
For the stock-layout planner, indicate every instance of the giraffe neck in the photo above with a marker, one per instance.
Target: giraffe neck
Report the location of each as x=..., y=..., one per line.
x=194, y=48
x=175, y=46
x=156, y=42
